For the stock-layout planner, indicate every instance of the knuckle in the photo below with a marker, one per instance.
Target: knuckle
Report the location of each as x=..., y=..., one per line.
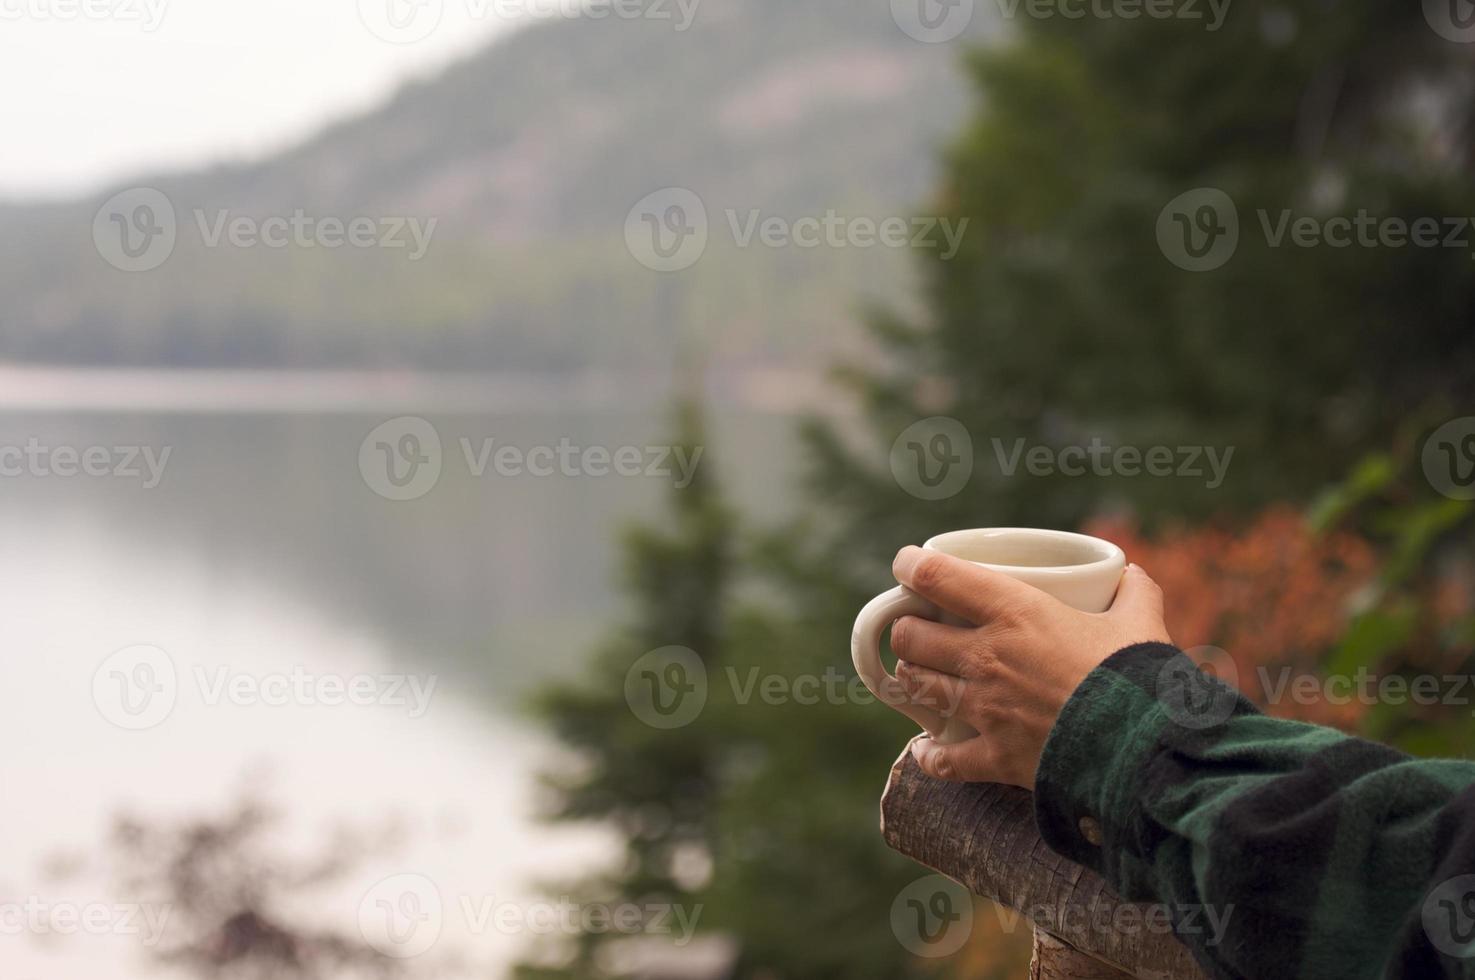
x=928, y=691
x=1018, y=613
x=982, y=765
x=901, y=634
x=974, y=700
x=982, y=662
x=1006, y=637
x=948, y=698
x=928, y=573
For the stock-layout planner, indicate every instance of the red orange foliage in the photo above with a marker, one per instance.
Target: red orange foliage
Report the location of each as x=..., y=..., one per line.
x=1273, y=594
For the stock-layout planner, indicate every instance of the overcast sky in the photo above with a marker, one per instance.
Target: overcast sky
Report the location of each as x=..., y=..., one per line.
x=96, y=91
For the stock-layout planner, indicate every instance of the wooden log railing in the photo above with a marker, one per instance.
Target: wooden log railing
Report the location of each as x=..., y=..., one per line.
x=983, y=836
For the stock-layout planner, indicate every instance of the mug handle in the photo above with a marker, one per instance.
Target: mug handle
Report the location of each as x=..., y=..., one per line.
x=865, y=651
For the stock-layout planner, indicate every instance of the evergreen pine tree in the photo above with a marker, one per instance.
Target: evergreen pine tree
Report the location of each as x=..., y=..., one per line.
x=654, y=784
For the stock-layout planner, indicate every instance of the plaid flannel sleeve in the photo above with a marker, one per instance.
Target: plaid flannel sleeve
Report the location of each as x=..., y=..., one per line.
x=1279, y=849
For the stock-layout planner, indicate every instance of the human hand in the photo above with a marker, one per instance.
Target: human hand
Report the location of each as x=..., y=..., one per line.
x=1010, y=675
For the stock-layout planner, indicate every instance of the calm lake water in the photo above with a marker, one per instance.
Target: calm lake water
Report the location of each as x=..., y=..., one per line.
x=263, y=554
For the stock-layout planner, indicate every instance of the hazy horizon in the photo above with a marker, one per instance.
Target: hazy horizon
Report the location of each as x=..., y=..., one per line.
x=110, y=108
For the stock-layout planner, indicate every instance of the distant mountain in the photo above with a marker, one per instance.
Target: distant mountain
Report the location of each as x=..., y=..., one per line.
x=529, y=158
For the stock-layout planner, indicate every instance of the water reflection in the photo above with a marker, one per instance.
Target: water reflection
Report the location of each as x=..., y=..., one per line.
x=263, y=556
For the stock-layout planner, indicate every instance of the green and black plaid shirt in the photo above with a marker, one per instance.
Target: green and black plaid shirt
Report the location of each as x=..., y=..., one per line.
x=1280, y=849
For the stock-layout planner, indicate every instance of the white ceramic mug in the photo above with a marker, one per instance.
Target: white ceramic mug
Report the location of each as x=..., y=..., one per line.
x=1079, y=570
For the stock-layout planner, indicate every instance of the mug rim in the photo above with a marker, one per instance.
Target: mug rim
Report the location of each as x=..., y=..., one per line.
x=1110, y=553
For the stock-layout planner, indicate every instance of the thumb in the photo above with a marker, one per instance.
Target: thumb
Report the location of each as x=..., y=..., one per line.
x=965, y=762
x=1139, y=601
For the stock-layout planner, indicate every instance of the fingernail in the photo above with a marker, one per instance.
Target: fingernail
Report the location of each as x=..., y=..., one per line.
x=917, y=746
x=905, y=559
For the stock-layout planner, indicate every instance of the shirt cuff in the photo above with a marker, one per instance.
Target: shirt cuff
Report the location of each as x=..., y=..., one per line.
x=1089, y=796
